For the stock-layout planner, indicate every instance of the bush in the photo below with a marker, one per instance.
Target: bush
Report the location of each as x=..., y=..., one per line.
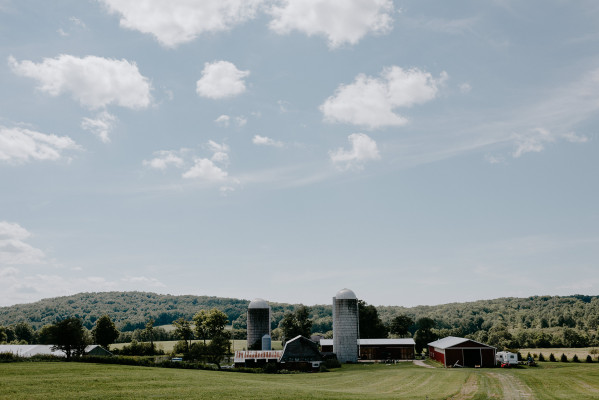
x=270, y=368
x=136, y=348
x=541, y=358
x=552, y=358
x=589, y=359
x=563, y=358
x=575, y=358
x=331, y=363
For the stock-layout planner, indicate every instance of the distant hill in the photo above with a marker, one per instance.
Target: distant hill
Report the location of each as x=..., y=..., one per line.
x=131, y=310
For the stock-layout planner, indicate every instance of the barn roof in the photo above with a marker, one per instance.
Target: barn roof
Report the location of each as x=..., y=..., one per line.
x=301, y=349
x=451, y=341
x=241, y=356
x=375, y=342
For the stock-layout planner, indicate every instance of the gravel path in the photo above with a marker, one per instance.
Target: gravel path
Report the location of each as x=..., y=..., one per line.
x=421, y=363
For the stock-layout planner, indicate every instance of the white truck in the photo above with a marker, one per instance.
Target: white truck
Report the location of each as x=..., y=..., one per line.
x=506, y=359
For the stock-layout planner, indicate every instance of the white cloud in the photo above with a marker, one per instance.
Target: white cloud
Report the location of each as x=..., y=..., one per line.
x=221, y=79
x=13, y=249
x=93, y=81
x=223, y=120
x=266, y=141
x=217, y=147
x=18, y=145
x=241, y=121
x=202, y=168
x=178, y=21
x=535, y=140
x=340, y=21
x=205, y=169
x=574, y=138
x=370, y=102
x=101, y=126
x=363, y=149
x=465, y=87
x=165, y=158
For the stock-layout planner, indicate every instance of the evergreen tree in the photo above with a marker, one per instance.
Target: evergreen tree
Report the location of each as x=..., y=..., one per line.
x=589, y=359
x=563, y=358
x=541, y=357
x=552, y=357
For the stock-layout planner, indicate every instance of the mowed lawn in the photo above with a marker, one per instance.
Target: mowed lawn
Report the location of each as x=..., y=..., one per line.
x=60, y=380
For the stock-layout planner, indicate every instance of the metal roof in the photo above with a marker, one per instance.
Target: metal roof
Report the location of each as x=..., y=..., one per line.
x=29, y=350
x=451, y=341
x=241, y=356
x=375, y=342
x=258, y=303
x=345, y=294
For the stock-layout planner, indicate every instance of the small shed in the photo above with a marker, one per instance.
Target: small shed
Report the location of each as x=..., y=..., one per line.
x=379, y=349
x=302, y=354
x=456, y=351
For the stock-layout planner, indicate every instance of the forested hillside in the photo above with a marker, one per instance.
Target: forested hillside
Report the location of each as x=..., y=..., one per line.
x=509, y=322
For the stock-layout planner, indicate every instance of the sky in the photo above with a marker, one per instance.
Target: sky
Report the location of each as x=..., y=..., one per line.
x=416, y=152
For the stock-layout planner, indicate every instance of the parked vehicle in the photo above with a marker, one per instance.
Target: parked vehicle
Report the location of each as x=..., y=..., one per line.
x=506, y=359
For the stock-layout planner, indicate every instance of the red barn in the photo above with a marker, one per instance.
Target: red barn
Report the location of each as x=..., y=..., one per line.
x=456, y=351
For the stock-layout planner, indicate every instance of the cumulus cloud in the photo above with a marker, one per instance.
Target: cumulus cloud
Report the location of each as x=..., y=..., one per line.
x=363, y=148
x=370, y=102
x=19, y=145
x=205, y=169
x=211, y=169
x=13, y=248
x=341, y=22
x=534, y=140
x=165, y=158
x=465, y=87
x=101, y=126
x=221, y=79
x=93, y=81
x=223, y=120
x=266, y=141
x=179, y=21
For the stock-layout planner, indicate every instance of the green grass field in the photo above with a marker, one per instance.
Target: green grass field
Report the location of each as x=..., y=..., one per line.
x=60, y=380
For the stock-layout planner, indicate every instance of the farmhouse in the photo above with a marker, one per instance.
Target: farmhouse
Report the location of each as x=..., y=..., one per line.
x=379, y=349
x=455, y=351
x=30, y=350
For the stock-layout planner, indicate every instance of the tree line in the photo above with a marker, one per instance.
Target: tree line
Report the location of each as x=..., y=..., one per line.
x=537, y=321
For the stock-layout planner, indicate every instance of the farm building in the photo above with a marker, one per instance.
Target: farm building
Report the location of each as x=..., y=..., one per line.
x=301, y=353
x=379, y=349
x=30, y=350
x=256, y=358
x=456, y=351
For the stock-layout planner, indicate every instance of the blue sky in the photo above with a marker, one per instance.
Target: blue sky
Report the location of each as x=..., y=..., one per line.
x=417, y=152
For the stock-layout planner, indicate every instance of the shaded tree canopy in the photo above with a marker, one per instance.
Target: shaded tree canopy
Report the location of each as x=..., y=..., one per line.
x=400, y=325
x=371, y=326
x=296, y=323
x=183, y=331
x=69, y=336
x=105, y=333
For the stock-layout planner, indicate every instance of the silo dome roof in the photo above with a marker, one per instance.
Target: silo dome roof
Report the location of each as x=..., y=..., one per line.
x=345, y=294
x=258, y=303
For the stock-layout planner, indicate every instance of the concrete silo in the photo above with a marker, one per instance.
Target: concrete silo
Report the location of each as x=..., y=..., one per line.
x=345, y=326
x=258, y=323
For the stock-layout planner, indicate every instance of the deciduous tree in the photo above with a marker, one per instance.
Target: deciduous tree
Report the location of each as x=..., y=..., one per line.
x=69, y=336
x=105, y=332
